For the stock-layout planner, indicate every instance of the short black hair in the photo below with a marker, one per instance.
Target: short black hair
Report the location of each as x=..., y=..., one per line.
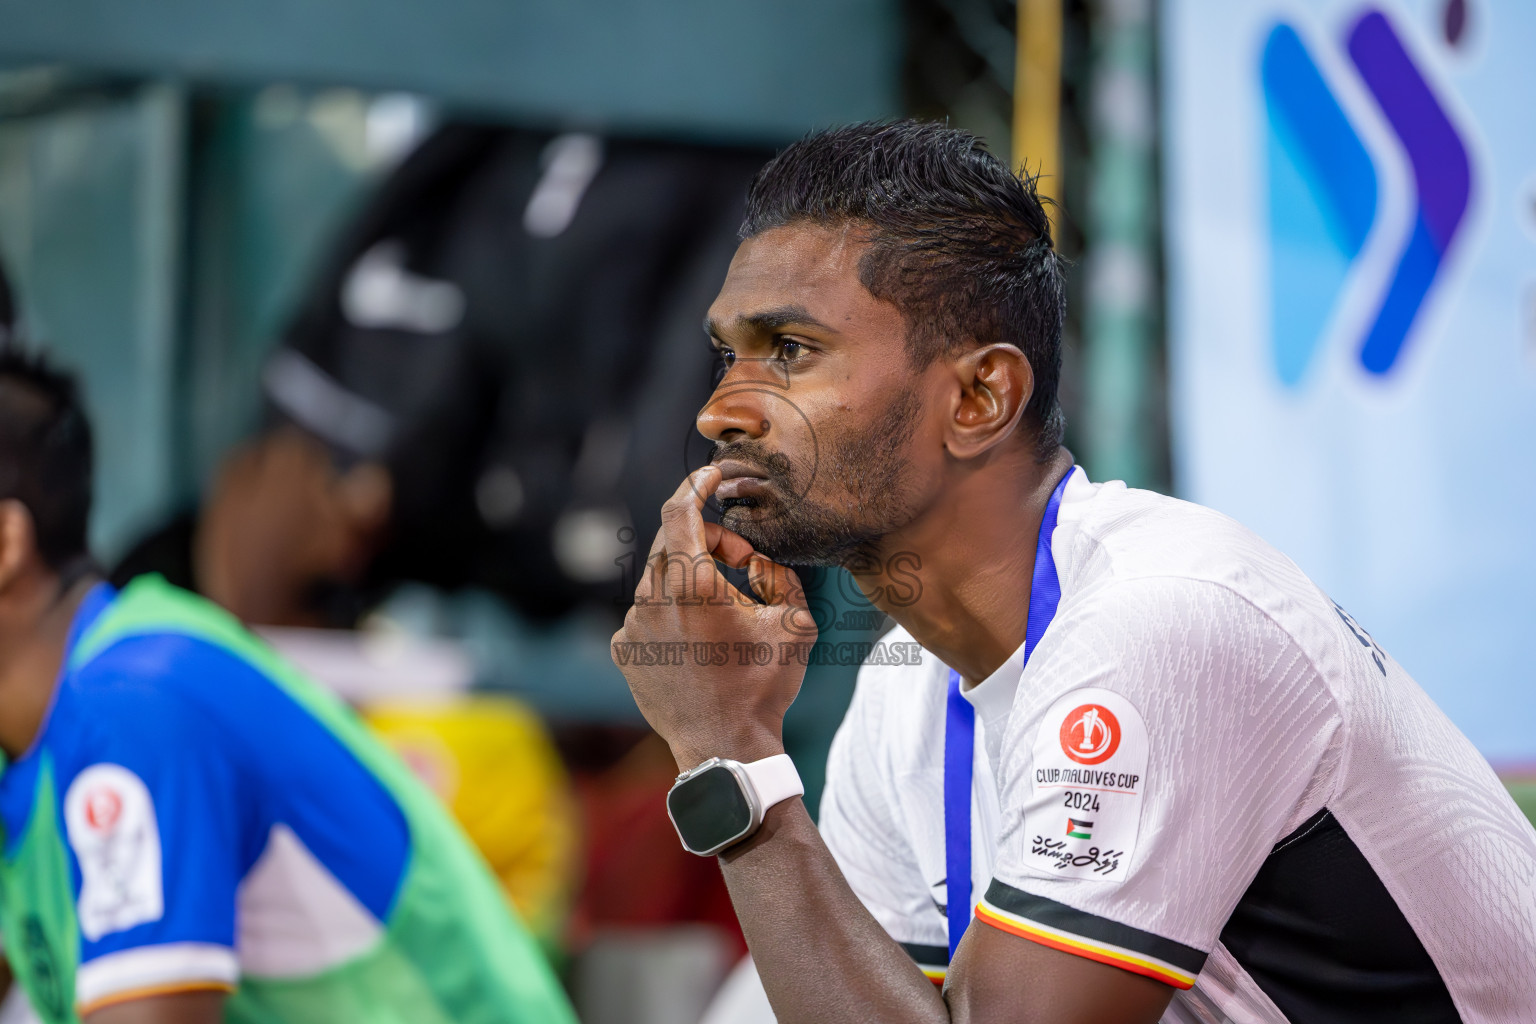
x=958, y=242
x=45, y=453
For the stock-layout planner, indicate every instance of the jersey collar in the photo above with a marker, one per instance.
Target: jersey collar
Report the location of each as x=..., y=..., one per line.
x=993, y=700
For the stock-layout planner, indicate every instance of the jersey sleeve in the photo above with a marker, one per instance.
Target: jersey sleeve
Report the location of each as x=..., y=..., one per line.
x=155, y=821
x=1163, y=735
x=860, y=825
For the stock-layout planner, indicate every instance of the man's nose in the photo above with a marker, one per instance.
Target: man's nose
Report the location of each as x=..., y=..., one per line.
x=734, y=412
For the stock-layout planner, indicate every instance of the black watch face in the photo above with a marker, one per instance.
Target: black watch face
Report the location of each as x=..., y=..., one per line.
x=709, y=810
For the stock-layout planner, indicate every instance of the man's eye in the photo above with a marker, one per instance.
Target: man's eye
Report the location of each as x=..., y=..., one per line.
x=724, y=357
x=790, y=350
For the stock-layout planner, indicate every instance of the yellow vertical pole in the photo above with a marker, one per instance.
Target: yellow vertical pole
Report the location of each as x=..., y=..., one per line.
x=1037, y=92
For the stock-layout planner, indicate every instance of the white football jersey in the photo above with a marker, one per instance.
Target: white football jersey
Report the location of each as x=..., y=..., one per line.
x=1210, y=774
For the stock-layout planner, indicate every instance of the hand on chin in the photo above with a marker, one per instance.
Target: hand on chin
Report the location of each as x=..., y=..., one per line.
x=705, y=662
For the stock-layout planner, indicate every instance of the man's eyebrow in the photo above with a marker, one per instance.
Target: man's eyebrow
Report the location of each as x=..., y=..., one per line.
x=768, y=321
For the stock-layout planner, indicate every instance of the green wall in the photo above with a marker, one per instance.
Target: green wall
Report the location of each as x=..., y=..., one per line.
x=90, y=219
x=171, y=172
x=747, y=68
x=158, y=237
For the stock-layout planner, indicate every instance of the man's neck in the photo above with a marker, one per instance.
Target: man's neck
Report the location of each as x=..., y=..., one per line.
x=973, y=554
x=33, y=638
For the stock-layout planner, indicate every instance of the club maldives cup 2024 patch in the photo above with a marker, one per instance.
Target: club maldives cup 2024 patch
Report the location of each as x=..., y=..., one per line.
x=1090, y=773
x=111, y=822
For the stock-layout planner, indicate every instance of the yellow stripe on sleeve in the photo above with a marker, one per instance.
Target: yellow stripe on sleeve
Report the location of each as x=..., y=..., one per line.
x=152, y=991
x=1103, y=952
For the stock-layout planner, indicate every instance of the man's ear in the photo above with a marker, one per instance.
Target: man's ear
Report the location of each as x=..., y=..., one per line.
x=18, y=541
x=366, y=493
x=995, y=384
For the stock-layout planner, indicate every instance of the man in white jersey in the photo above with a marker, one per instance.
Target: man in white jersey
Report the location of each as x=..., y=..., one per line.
x=1158, y=772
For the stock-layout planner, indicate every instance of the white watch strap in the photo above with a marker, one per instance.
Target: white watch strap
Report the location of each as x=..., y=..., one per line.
x=775, y=779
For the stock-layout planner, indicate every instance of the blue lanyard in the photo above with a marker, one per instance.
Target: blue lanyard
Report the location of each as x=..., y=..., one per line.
x=960, y=732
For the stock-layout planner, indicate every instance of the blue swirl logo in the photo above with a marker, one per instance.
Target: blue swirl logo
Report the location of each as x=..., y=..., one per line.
x=1324, y=192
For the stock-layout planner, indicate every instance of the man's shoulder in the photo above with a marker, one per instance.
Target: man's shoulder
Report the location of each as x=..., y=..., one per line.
x=151, y=609
x=1122, y=534
x=1143, y=531
x=157, y=642
x=161, y=667
x=149, y=704
x=162, y=672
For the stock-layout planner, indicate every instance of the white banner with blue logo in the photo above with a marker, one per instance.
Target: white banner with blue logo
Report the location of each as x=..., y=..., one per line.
x=1351, y=235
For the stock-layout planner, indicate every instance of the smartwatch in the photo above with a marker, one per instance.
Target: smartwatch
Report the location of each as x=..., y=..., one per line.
x=722, y=802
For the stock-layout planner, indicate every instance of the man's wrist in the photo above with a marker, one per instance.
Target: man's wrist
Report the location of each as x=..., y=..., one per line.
x=743, y=748
x=775, y=820
x=722, y=801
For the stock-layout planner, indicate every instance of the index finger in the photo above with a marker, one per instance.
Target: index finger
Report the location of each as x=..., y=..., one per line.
x=682, y=520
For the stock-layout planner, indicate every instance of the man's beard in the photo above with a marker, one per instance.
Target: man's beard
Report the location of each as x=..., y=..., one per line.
x=868, y=469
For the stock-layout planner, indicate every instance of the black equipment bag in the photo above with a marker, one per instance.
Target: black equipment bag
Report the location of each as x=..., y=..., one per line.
x=512, y=326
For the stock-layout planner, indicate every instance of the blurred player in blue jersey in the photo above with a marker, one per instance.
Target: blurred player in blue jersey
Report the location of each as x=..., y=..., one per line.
x=191, y=831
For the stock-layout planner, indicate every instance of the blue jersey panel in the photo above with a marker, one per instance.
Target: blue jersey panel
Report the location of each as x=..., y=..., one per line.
x=173, y=761
x=266, y=759
x=201, y=806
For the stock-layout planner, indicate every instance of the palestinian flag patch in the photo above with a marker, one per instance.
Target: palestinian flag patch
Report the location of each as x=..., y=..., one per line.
x=1079, y=829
